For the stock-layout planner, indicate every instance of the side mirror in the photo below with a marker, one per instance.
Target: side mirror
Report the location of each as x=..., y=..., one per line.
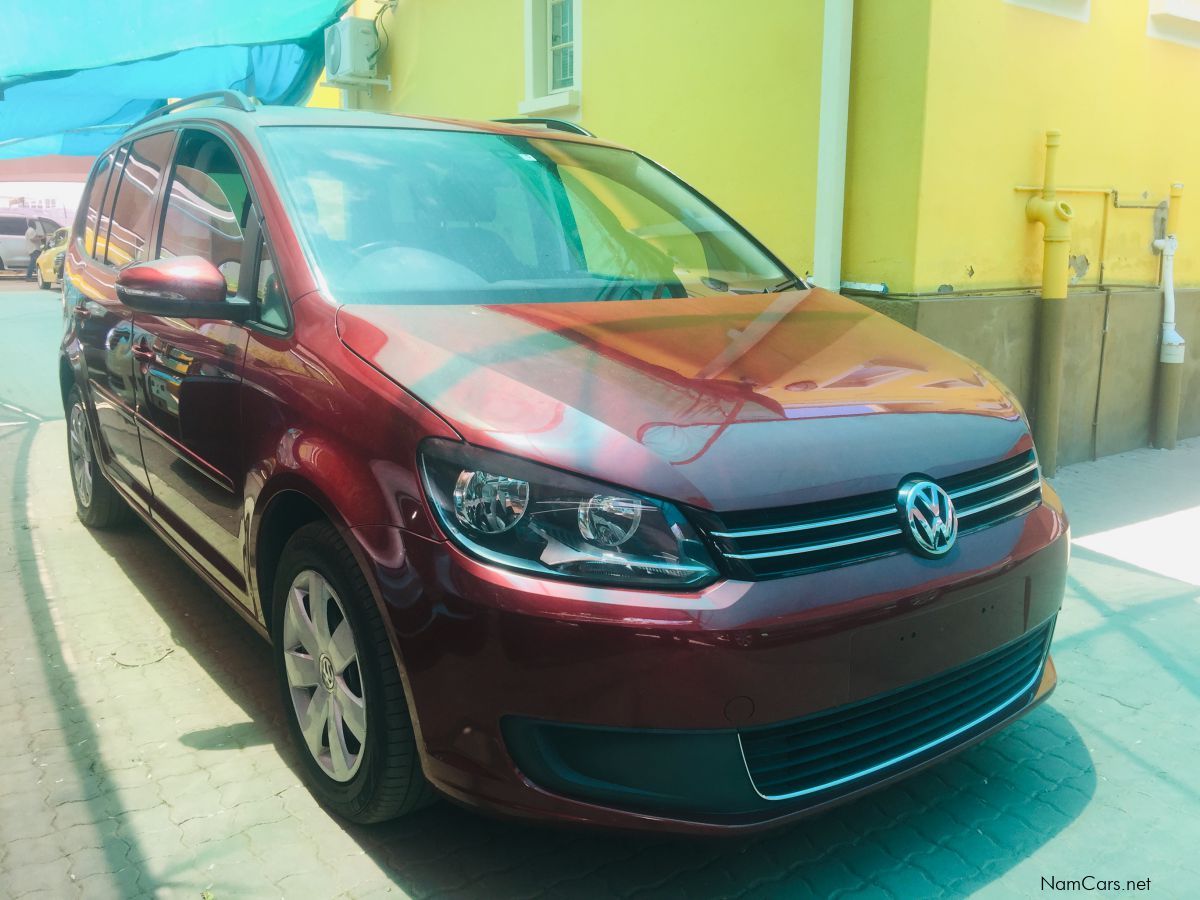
x=183, y=287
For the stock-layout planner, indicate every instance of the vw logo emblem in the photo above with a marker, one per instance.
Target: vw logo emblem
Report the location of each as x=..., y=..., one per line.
x=929, y=517
x=326, y=669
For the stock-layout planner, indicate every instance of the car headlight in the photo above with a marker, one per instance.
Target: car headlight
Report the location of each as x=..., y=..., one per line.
x=530, y=517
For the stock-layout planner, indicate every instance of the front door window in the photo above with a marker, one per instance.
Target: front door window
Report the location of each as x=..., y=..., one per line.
x=207, y=207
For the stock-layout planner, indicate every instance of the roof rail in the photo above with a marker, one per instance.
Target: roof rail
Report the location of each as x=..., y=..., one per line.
x=229, y=99
x=551, y=124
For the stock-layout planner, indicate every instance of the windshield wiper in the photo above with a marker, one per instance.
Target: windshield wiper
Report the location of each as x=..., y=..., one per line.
x=773, y=289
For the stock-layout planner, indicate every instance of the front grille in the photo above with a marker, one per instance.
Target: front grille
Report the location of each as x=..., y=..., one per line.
x=835, y=749
x=771, y=543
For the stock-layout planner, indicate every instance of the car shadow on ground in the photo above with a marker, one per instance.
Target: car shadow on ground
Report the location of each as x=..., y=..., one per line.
x=952, y=828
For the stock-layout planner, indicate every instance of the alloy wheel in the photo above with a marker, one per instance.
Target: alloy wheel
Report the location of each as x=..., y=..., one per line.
x=80, y=446
x=324, y=676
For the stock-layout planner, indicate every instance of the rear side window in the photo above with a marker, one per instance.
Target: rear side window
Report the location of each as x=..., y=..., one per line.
x=207, y=205
x=12, y=225
x=133, y=209
x=104, y=220
x=93, y=201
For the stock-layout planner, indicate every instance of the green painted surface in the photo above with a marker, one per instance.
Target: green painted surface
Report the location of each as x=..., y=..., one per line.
x=902, y=310
x=996, y=332
x=1082, y=346
x=1187, y=323
x=1125, y=407
x=30, y=330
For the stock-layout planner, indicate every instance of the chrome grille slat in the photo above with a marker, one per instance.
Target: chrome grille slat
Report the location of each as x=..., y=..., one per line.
x=999, y=501
x=805, y=526
x=813, y=548
x=1024, y=470
x=772, y=543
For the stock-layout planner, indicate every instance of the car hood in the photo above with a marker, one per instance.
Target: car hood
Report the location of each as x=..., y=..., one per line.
x=727, y=402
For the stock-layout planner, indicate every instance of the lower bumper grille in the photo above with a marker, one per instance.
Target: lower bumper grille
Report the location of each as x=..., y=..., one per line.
x=834, y=749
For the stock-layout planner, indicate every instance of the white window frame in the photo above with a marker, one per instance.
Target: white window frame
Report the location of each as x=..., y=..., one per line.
x=539, y=98
x=1177, y=21
x=1079, y=10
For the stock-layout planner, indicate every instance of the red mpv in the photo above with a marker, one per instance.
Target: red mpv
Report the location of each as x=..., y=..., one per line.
x=552, y=489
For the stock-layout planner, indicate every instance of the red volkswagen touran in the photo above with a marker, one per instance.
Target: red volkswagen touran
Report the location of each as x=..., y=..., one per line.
x=552, y=489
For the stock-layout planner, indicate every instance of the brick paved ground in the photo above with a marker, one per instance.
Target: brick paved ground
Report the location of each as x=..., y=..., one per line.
x=142, y=752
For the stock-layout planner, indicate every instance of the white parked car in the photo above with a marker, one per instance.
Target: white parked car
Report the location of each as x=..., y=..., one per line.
x=13, y=253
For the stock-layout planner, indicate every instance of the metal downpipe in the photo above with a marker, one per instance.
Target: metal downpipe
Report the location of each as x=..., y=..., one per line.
x=1172, y=349
x=1055, y=216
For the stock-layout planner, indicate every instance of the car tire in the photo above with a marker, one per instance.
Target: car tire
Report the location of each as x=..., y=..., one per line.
x=96, y=501
x=42, y=283
x=347, y=714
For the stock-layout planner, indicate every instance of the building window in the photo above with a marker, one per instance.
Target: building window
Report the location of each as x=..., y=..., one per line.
x=552, y=54
x=562, y=45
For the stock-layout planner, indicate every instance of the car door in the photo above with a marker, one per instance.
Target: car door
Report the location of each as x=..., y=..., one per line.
x=118, y=226
x=189, y=370
x=12, y=242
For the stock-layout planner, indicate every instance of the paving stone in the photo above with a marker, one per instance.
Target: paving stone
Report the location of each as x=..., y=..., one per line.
x=91, y=861
x=33, y=851
x=907, y=881
x=121, y=884
x=52, y=875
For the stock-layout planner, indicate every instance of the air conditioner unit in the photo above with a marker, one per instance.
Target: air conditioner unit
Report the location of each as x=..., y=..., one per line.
x=350, y=48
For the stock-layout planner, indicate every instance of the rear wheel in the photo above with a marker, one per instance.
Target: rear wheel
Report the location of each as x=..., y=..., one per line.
x=96, y=501
x=342, y=694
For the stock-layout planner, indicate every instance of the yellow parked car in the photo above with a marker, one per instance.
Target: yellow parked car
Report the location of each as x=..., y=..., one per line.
x=50, y=262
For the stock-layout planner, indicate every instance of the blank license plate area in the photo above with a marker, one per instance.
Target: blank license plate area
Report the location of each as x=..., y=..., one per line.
x=918, y=645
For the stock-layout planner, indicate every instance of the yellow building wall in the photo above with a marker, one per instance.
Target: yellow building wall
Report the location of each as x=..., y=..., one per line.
x=998, y=76
x=885, y=141
x=726, y=97
x=458, y=58
x=324, y=97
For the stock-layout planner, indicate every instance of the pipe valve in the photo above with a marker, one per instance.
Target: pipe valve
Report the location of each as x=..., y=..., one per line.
x=1054, y=216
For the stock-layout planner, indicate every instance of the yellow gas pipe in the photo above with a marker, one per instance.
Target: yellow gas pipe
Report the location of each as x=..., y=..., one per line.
x=1055, y=216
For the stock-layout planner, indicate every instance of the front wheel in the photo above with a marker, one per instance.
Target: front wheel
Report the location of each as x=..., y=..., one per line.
x=341, y=690
x=41, y=280
x=96, y=501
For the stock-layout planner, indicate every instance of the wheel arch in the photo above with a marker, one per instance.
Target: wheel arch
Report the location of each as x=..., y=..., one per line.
x=285, y=505
x=287, y=508
x=68, y=377
x=288, y=503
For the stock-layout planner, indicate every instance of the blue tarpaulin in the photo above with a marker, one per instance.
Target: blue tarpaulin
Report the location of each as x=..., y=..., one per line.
x=73, y=88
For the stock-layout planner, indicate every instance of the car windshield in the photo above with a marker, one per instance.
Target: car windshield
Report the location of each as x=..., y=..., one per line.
x=404, y=216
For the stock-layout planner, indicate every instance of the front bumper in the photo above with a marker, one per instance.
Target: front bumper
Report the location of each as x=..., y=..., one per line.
x=632, y=709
